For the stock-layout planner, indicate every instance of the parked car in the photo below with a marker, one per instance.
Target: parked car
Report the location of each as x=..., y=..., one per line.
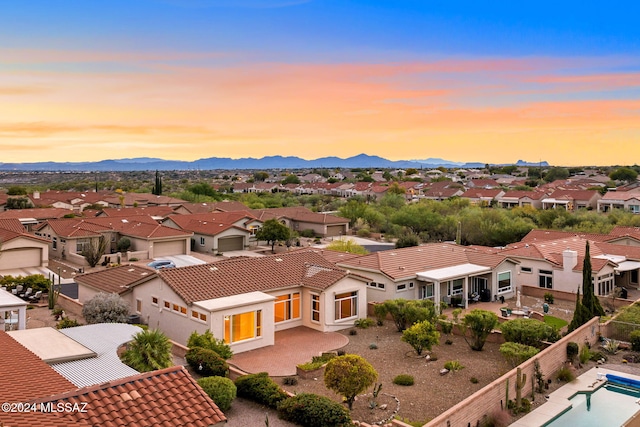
x=161, y=263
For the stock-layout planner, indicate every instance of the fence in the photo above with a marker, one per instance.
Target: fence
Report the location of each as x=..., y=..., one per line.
x=620, y=331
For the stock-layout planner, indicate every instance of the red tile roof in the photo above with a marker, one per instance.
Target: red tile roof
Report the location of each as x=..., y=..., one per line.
x=211, y=223
x=300, y=214
x=137, y=226
x=226, y=206
x=39, y=214
x=24, y=375
x=539, y=235
x=239, y=276
x=116, y=280
x=158, y=211
x=407, y=262
x=168, y=397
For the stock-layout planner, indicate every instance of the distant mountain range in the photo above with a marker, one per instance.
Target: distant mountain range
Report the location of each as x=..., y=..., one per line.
x=221, y=163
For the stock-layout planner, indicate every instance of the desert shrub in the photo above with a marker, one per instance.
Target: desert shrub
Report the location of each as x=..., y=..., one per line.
x=106, y=308
x=474, y=380
x=353, y=332
x=308, y=233
x=364, y=232
x=403, y=379
x=548, y=297
x=290, y=381
x=635, y=340
x=150, y=350
x=207, y=362
x=133, y=259
x=445, y=326
x=220, y=389
x=208, y=341
x=572, y=350
x=516, y=353
x=528, y=332
x=421, y=336
x=448, y=342
x=349, y=375
x=479, y=324
x=611, y=346
x=311, y=410
x=453, y=366
x=407, y=312
x=380, y=311
x=373, y=346
x=261, y=389
x=585, y=354
x=67, y=323
x=316, y=362
x=596, y=355
x=123, y=244
x=498, y=418
x=565, y=374
x=363, y=323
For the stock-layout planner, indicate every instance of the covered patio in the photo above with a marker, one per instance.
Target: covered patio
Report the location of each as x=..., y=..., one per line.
x=292, y=347
x=13, y=312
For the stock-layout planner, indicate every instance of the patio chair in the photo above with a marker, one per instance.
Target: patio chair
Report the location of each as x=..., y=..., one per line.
x=17, y=290
x=35, y=297
x=447, y=300
x=27, y=294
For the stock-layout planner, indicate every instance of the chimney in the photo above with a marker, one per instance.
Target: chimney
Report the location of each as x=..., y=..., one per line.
x=36, y=195
x=569, y=259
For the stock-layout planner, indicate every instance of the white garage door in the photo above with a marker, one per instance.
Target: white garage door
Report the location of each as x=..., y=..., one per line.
x=230, y=244
x=20, y=258
x=176, y=247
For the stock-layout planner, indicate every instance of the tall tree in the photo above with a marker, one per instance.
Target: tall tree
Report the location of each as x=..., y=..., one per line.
x=580, y=315
x=157, y=187
x=272, y=231
x=589, y=299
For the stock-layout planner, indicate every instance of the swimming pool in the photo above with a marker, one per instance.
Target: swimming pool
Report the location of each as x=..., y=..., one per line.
x=608, y=406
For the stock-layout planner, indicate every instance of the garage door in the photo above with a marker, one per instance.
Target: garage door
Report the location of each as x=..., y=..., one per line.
x=169, y=248
x=335, y=230
x=20, y=258
x=230, y=244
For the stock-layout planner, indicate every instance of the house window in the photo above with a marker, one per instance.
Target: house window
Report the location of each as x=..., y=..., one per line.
x=287, y=307
x=198, y=316
x=605, y=284
x=167, y=304
x=54, y=244
x=138, y=306
x=315, y=308
x=346, y=305
x=504, y=282
x=455, y=287
x=243, y=326
x=634, y=276
x=526, y=270
x=478, y=284
x=81, y=244
x=201, y=241
x=426, y=291
x=154, y=301
x=545, y=280
x=634, y=208
x=402, y=287
x=380, y=285
x=410, y=285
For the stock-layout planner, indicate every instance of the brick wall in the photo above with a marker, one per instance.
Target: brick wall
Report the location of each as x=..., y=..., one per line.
x=488, y=400
x=70, y=305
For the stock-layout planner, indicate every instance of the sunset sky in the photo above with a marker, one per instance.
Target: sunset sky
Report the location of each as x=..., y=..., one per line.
x=483, y=81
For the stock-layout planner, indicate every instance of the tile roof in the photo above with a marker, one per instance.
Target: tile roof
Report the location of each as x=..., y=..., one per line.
x=211, y=223
x=540, y=235
x=239, y=276
x=39, y=213
x=131, y=199
x=158, y=211
x=116, y=280
x=478, y=193
x=167, y=397
x=407, y=262
x=24, y=375
x=225, y=205
x=136, y=226
x=521, y=194
x=300, y=214
x=574, y=194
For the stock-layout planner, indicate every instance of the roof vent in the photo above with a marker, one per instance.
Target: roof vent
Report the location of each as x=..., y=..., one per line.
x=213, y=268
x=131, y=269
x=278, y=259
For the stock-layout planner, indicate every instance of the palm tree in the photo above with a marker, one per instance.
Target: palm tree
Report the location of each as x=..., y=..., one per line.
x=150, y=350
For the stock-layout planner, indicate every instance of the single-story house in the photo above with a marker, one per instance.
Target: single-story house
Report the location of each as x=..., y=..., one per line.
x=440, y=272
x=300, y=218
x=115, y=280
x=18, y=249
x=519, y=198
x=246, y=300
x=572, y=200
x=625, y=200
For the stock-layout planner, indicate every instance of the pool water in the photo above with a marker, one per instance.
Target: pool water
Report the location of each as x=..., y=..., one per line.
x=609, y=406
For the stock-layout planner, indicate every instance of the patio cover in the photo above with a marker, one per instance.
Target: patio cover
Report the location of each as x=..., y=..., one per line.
x=217, y=304
x=51, y=345
x=448, y=273
x=627, y=266
x=10, y=302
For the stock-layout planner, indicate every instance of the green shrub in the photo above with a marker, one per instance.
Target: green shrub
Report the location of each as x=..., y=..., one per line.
x=572, y=350
x=528, y=332
x=311, y=410
x=403, y=379
x=453, y=365
x=635, y=340
x=474, y=380
x=208, y=341
x=221, y=390
x=548, y=297
x=516, y=353
x=308, y=233
x=565, y=374
x=364, y=232
x=363, y=323
x=317, y=362
x=67, y=323
x=445, y=326
x=596, y=355
x=207, y=362
x=261, y=389
x=133, y=259
x=290, y=381
x=585, y=354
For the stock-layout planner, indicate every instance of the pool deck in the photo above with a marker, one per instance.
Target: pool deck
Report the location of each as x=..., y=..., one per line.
x=559, y=400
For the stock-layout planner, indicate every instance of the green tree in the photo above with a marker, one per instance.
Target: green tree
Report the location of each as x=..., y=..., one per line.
x=624, y=174
x=348, y=246
x=157, y=187
x=150, y=350
x=272, y=231
x=349, y=375
x=422, y=335
x=589, y=299
x=516, y=353
x=16, y=190
x=580, y=314
x=94, y=250
x=208, y=341
x=260, y=176
x=291, y=179
x=554, y=174
x=123, y=244
x=407, y=312
x=407, y=240
x=479, y=323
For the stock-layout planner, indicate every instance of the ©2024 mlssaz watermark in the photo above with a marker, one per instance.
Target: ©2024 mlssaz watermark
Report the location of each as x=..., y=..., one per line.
x=45, y=407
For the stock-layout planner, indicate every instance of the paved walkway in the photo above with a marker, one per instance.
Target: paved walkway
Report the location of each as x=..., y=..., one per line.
x=292, y=347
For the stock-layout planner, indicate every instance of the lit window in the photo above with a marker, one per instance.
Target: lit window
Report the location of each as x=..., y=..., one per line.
x=243, y=326
x=346, y=305
x=167, y=304
x=154, y=300
x=315, y=308
x=287, y=307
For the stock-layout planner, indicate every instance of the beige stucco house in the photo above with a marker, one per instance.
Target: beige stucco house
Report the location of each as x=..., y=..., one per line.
x=18, y=249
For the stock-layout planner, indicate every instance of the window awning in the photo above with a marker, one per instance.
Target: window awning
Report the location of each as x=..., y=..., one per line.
x=454, y=272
